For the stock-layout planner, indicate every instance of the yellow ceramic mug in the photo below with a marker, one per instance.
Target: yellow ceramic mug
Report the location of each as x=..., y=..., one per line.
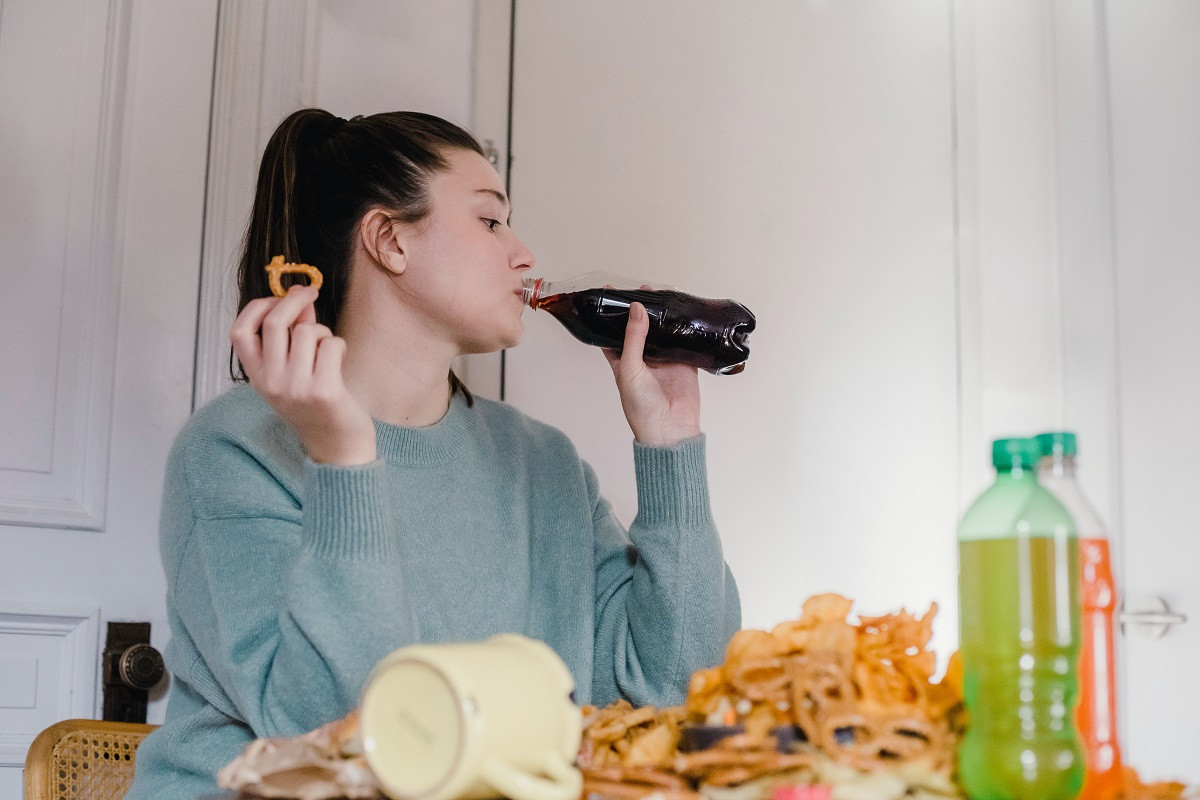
x=477, y=720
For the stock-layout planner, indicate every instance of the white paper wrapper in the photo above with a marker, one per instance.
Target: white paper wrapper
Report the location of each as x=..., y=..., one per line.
x=324, y=764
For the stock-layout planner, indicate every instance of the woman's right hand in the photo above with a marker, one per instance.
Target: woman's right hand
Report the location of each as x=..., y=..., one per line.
x=295, y=364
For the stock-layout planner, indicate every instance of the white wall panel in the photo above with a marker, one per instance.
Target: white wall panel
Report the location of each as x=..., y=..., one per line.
x=796, y=157
x=141, y=309
x=47, y=670
x=57, y=225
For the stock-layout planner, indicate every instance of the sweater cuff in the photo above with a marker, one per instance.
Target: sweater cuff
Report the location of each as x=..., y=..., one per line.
x=346, y=511
x=672, y=482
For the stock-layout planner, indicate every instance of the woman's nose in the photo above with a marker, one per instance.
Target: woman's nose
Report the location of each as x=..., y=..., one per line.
x=522, y=257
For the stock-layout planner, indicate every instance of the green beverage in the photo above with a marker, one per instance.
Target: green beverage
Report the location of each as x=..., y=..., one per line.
x=1019, y=631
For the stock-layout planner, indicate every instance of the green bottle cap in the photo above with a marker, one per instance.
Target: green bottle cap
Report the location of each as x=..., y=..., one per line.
x=1010, y=454
x=1057, y=443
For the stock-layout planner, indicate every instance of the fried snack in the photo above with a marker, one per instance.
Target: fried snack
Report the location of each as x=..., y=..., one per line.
x=861, y=694
x=736, y=760
x=705, y=692
x=621, y=736
x=1135, y=789
x=625, y=785
x=627, y=753
x=278, y=268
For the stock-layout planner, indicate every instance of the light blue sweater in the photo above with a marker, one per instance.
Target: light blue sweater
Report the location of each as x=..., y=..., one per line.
x=288, y=581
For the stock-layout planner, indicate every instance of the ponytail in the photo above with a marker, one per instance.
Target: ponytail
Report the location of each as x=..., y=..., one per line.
x=272, y=229
x=320, y=174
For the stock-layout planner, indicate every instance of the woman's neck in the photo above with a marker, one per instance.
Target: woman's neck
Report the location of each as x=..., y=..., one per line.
x=397, y=391
x=394, y=368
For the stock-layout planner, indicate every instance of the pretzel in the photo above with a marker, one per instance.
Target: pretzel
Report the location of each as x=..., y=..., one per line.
x=277, y=268
x=822, y=699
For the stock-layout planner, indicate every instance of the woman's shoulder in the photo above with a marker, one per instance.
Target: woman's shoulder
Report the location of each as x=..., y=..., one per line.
x=528, y=447
x=237, y=438
x=239, y=416
x=503, y=420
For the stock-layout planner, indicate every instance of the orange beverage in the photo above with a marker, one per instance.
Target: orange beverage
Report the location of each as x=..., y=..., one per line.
x=1096, y=716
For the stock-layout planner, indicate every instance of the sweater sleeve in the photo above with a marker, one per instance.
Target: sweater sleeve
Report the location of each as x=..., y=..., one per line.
x=289, y=608
x=666, y=602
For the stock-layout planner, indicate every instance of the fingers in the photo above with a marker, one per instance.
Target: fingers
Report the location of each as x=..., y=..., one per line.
x=276, y=339
x=306, y=337
x=327, y=373
x=247, y=344
x=635, y=335
x=629, y=357
x=277, y=326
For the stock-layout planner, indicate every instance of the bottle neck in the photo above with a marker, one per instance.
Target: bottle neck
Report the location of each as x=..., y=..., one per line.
x=1057, y=467
x=531, y=289
x=1016, y=474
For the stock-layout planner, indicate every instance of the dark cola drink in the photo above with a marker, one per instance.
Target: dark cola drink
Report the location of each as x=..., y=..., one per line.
x=712, y=335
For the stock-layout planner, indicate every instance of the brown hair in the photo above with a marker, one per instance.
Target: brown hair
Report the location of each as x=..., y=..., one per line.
x=320, y=175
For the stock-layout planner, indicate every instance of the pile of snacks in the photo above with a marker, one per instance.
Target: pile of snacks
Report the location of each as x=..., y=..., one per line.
x=818, y=700
x=1160, y=790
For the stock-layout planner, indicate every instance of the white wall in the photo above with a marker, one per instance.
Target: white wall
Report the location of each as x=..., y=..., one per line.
x=100, y=213
x=389, y=55
x=798, y=158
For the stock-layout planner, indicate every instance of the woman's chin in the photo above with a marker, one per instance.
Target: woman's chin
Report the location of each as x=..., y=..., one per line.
x=502, y=342
x=514, y=338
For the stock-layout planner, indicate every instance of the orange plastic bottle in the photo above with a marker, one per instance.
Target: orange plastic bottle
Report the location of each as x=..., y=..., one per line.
x=1097, y=713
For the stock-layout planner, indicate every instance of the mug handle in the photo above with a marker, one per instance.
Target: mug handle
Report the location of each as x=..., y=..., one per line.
x=565, y=782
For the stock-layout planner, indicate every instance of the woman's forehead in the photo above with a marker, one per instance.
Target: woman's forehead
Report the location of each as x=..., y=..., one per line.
x=471, y=176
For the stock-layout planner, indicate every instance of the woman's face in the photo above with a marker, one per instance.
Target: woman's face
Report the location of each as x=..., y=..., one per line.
x=464, y=265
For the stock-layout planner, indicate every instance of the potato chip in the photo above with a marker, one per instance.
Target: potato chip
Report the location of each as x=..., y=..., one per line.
x=826, y=608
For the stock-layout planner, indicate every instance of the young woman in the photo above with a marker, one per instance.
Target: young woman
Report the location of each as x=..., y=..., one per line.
x=355, y=498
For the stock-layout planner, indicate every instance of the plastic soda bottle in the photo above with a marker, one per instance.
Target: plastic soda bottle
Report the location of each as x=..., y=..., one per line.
x=713, y=335
x=1018, y=589
x=1097, y=715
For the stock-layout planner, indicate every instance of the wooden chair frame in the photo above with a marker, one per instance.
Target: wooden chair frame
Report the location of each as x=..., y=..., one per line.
x=83, y=759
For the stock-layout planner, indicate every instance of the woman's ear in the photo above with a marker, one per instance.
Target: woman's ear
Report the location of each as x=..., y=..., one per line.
x=383, y=239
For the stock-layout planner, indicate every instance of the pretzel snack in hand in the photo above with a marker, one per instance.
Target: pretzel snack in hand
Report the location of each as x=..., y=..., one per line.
x=277, y=268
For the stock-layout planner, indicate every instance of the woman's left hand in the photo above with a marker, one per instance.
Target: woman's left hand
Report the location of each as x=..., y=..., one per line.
x=661, y=401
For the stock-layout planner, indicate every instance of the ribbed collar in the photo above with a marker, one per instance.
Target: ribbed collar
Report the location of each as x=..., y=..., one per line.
x=434, y=444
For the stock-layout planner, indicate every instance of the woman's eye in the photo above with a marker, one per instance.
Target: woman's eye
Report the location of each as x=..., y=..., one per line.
x=491, y=223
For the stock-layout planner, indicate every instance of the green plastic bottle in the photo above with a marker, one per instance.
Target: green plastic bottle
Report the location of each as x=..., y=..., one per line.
x=1018, y=590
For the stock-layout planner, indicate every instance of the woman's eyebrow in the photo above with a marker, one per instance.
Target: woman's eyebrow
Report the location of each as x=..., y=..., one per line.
x=498, y=195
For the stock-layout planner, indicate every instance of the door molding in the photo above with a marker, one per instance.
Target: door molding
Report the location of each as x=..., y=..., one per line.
x=68, y=488
x=262, y=73
x=1034, y=234
x=75, y=633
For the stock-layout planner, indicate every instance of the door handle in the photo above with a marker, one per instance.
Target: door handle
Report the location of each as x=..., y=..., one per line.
x=130, y=668
x=1149, y=616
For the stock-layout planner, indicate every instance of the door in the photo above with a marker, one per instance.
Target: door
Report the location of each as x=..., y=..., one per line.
x=1154, y=65
x=104, y=136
